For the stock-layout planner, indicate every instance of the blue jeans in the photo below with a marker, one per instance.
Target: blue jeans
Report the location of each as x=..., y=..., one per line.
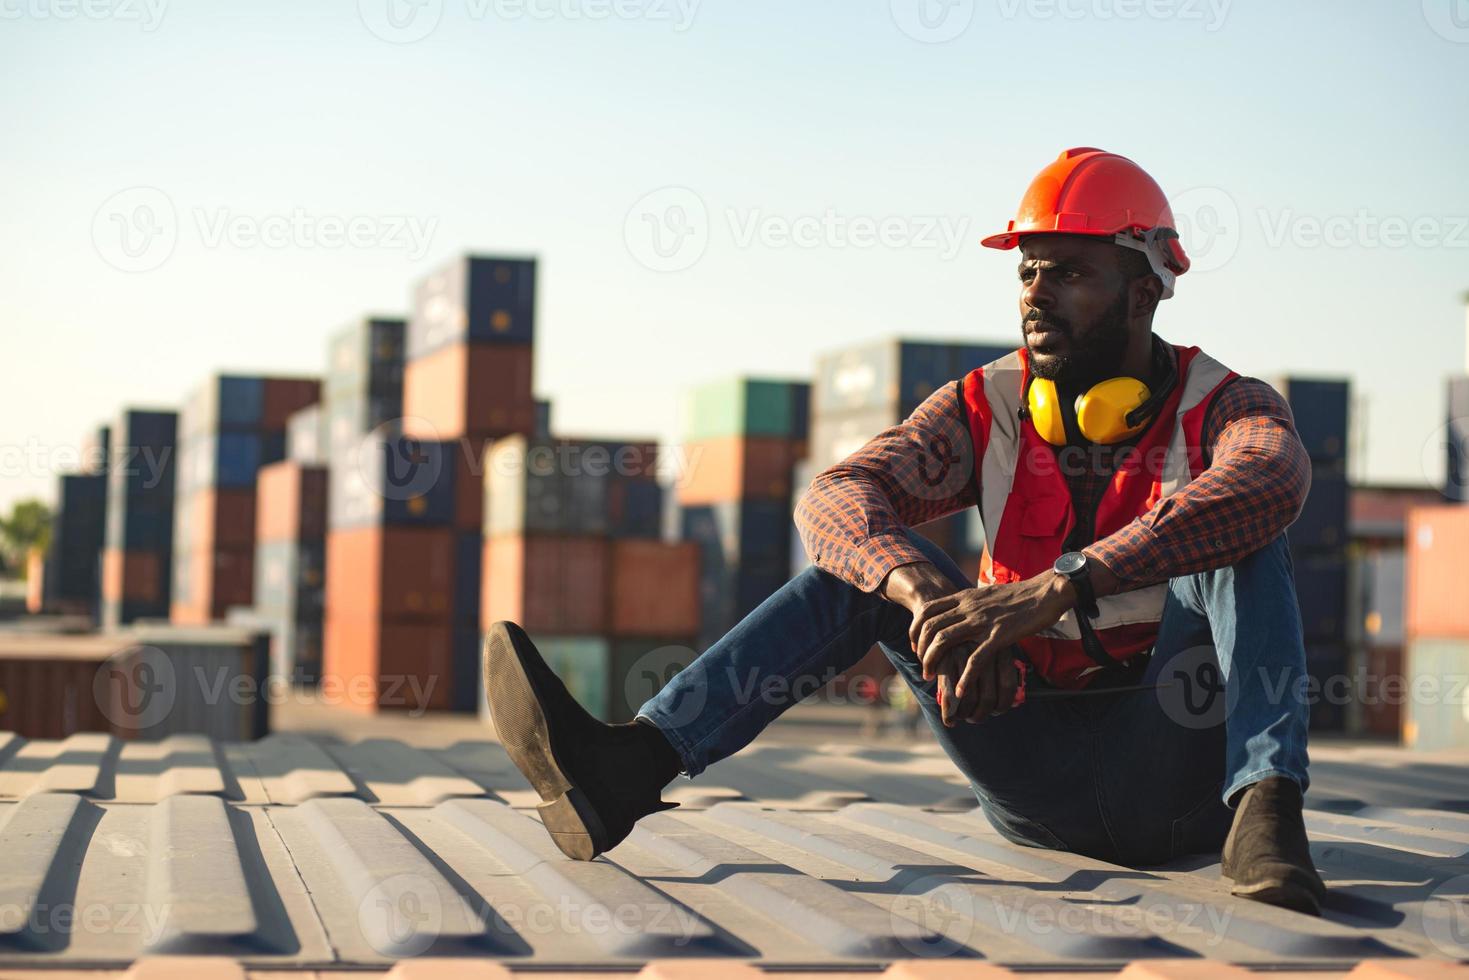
x=1133, y=776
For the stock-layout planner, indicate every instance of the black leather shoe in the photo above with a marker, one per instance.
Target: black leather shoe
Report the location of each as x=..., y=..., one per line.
x=597, y=780
x=1267, y=854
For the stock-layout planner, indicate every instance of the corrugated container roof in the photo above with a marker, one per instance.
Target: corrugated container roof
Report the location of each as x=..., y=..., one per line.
x=300, y=853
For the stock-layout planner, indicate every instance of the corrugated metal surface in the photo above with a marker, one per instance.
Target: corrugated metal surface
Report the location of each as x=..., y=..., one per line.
x=292, y=852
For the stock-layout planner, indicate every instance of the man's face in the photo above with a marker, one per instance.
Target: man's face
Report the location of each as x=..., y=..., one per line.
x=1075, y=307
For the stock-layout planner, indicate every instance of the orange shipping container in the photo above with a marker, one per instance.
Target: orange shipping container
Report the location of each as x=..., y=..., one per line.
x=469, y=389
x=218, y=579
x=131, y=575
x=1436, y=542
x=221, y=517
x=47, y=685
x=738, y=468
x=291, y=502
x=546, y=583
x=370, y=665
x=283, y=397
x=392, y=572
x=655, y=588
x=469, y=489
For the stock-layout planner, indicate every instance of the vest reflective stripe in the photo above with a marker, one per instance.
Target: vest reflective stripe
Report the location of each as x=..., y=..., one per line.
x=992, y=393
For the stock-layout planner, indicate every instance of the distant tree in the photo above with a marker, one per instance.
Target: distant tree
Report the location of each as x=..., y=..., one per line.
x=27, y=527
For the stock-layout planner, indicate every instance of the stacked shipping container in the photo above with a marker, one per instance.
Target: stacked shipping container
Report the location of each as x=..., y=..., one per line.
x=1318, y=541
x=72, y=574
x=1456, y=485
x=290, y=565
x=571, y=553
x=228, y=429
x=137, y=562
x=1436, y=678
x=743, y=439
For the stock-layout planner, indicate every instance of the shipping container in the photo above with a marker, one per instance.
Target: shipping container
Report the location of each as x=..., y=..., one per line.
x=476, y=299
x=747, y=531
x=569, y=486
x=738, y=468
x=228, y=460
x=135, y=576
x=1456, y=483
x=384, y=665
x=1323, y=519
x=223, y=403
x=1377, y=584
x=78, y=532
x=96, y=452
x=1321, y=593
x=546, y=583
x=654, y=588
x=640, y=668
x=748, y=407
x=1379, y=513
x=289, y=578
x=1321, y=409
x=1436, y=708
x=1434, y=603
x=306, y=436
x=35, y=572
x=291, y=503
x=469, y=389
x=284, y=397
x=215, y=518
x=365, y=360
x=141, y=481
x=349, y=419
x=468, y=578
x=392, y=480
x=1384, y=691
x=835, y=437
x=393, y=572
x=892, y=375
x=47, y=684
x=208, y=582
x=1331, y=691
x=145, y=683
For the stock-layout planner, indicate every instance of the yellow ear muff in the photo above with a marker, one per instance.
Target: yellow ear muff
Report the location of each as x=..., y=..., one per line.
x=1101, y=413
x=1045, y=411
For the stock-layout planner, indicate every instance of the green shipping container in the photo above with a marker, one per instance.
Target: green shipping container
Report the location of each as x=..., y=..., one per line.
x=747, y=407
x=582, y=664
x=640, y=668
x=1436, y=694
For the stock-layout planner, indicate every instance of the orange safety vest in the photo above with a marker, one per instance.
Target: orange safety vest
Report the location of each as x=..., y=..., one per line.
x=1027, y=511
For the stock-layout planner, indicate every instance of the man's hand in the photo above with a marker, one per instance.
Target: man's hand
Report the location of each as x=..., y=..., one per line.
x=976, y=627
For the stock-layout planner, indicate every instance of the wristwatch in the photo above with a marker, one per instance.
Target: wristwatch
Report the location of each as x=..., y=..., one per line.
x=1076, y=569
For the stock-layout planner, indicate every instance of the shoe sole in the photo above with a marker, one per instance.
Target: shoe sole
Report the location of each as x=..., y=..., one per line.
x=1296, y=898
x=520, y=722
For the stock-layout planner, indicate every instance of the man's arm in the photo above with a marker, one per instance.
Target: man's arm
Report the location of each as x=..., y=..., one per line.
x=1255, y=482
x=853, y=518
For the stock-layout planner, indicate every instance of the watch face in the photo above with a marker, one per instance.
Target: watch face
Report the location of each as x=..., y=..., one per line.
x=1071, y=563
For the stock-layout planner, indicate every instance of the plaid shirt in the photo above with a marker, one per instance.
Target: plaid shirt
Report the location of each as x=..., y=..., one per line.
x=853, y=517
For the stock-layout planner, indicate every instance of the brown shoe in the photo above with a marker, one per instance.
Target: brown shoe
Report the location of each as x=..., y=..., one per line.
x=1267, y=854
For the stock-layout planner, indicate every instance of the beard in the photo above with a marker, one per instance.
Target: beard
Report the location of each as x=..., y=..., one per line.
x=1092, y=353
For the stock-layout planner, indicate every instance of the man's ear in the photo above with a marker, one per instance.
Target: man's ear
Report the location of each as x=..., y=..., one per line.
x=1147, y=293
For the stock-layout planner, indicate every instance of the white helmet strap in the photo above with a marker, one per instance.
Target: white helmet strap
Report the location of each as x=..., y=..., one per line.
x=1153, y=244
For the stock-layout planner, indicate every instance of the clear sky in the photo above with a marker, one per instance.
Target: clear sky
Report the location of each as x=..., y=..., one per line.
x=178, y=176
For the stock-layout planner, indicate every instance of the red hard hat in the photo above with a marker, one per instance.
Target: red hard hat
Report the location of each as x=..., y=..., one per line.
x=1087, y=191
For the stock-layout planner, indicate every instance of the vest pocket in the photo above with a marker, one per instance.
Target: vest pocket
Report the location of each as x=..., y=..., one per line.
x=1044, y=517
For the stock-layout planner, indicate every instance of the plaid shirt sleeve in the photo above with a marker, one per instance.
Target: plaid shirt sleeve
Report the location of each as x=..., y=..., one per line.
x=1255, y=482
x=853, y=518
